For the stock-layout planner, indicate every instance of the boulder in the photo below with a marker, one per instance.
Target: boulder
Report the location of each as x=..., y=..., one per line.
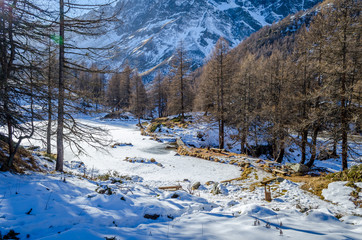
x=300, y=168
x=280, y=179
x=215, y=189
x=326, y=154
x=196, y=186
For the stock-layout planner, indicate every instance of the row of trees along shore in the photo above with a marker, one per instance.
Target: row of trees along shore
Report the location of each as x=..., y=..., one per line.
x=275, y=91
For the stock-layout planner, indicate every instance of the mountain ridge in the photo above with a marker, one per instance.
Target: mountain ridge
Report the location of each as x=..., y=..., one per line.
x=152, y=29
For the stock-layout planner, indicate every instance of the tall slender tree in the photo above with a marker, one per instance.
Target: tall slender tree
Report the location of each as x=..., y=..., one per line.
x=51, y=75
x=138, y=101
x=113, y=92
x=242, y=99
x=342, y=61
x=21, y=31
x=61, y=91
x=215, y=86
x=180, y=98
x=158, y=92
x=125, y=86
x=91, y=25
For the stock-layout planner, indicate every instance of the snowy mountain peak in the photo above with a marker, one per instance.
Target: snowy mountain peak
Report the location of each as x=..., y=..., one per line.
x=151, y=29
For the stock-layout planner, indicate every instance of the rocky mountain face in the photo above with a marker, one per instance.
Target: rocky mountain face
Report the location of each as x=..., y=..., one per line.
x=152, y=29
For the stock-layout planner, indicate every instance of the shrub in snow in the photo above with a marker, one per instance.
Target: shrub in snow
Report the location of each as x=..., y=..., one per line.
x=116, y=115
x=153, y=127
x=353, y=174
x=142, y=160
x=110, y=175
x=11, y=235
x=110, y=238
x=175, y=195
x=151, y=216
x=104, y=189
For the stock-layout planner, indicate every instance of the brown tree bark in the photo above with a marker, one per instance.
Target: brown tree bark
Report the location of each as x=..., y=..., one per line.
x=344, y=121
x=304, y=145
x=49, y=124
x=60, y=128
x=314, y=146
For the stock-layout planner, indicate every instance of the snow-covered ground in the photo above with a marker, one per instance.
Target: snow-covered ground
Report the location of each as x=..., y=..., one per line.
x=44, y=206
x=201, y=133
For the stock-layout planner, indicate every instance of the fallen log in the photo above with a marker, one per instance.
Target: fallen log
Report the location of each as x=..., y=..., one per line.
x=171, y=188
x=234, y=179
x=265, y=182
x=280, y=171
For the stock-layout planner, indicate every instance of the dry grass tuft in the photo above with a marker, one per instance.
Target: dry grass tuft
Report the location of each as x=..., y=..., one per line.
x=51, y=156
x=23, y=160
x=354, y=174
x=311, y=184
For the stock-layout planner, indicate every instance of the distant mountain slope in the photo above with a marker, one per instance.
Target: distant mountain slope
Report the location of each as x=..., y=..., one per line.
x=261, y=41
x=151, y=29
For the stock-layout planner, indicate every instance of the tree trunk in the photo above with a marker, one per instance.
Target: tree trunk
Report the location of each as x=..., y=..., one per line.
x=221, y=134
x=335, y=144
x=304, y=145
x=281, y=153
x=60, y=147
x=182, y=96
x=344, y=121
x=49, y=126
x=344, y=129
x=243, y=143
x=222, y=121
x=304, y=113
x=159, y=98
x=5, y=71
x=314, y=147
x=139, y=123
x=10, y=143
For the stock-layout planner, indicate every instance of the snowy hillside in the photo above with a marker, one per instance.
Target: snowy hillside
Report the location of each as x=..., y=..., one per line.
x=125, y=202
x=151, y=29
